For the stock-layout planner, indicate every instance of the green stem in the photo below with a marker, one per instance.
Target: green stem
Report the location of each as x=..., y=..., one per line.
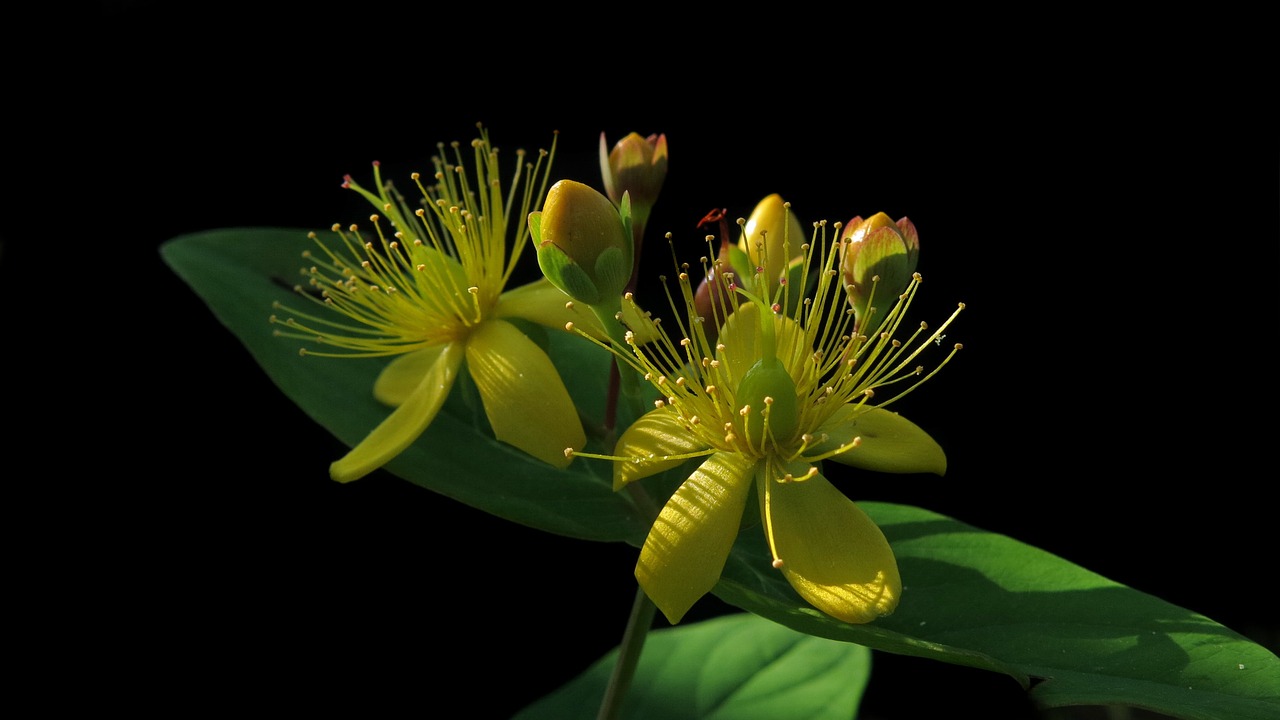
x=627, y=377
x=642, y=608
x=642, y=611
x=638, y=624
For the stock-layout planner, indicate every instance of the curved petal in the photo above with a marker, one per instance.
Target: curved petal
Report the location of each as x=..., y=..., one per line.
x=542, y=303
x=401, y=377
x=406, y=423
x=524, y=398
x=547, y=305
x=741, y=337
x=832, y=553
x=890, y=443
x=686, y=549
x=650, y=440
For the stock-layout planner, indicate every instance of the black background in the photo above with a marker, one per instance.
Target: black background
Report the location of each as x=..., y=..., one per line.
x=1115, y=244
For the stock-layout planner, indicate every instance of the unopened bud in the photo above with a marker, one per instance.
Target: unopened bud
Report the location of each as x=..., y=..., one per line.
x=878, y=257
x=583, y=246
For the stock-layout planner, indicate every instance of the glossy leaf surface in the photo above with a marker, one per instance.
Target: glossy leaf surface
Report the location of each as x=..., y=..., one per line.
x=736, y=667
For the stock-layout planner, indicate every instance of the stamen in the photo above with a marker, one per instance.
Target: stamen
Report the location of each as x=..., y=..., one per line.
x=768, y=525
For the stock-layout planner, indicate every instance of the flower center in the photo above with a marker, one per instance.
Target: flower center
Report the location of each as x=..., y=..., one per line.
x=779, y=368
x=767, y=396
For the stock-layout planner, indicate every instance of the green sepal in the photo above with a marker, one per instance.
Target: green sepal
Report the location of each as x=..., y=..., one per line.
x=628, y=225
x=535, y=227
x=567, y=275
x=612, y=270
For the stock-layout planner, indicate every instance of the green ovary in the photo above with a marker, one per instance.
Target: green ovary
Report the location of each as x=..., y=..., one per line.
x=767, y=378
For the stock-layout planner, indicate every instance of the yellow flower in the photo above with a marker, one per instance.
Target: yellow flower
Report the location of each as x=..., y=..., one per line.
x=775, y=395
x=428, y=286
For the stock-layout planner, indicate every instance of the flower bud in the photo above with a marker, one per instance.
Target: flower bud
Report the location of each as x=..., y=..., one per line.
x=772, y=238
x=709, y=299
x=636, y=165
x=584, y=247
x=878, y=257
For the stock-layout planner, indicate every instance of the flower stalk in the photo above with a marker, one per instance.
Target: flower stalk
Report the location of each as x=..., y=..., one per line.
x=629, y=650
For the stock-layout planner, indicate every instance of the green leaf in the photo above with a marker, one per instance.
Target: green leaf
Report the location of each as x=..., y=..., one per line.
x=1072, y=637
x=736, y=667
x=240, y=272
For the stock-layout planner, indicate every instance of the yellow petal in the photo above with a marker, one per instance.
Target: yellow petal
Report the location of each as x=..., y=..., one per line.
x=686, y=549
x=832, y=553
x=741, y=336
x=524, y=398
x=406, y=423
x=543, y=303
x=890, y=443
x=404, y=374
x=650, y=439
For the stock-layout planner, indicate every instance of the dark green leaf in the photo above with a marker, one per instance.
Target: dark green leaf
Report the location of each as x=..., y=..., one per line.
x=737, y=667
x=239, y=273
x=1071, y=636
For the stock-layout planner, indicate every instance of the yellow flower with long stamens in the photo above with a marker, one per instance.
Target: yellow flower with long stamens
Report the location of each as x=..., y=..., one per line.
x=764, y=404
x=429, y=286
